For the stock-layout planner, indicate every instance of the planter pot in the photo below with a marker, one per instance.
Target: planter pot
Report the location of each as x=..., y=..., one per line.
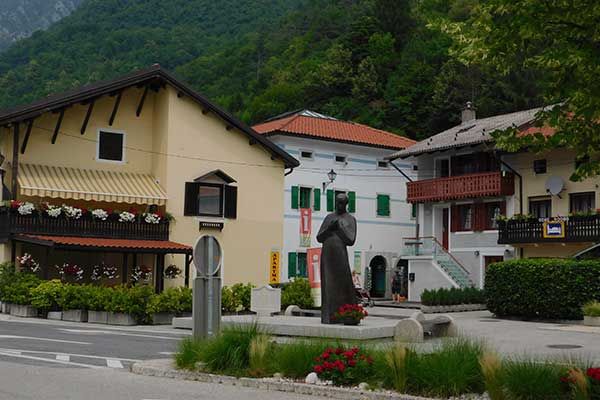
x=591, y=321
x=121, y=319
x=163, y=318
x=351, y=321
x=75, y=315
x=55, y=315
x=97, y=317
x=19, y=310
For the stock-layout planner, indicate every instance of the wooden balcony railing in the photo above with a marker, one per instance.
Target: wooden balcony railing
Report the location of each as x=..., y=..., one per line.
x=14, y=223
x=576, y=229
x=486, y=184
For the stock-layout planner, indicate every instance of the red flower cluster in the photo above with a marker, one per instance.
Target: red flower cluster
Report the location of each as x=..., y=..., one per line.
x=342, y=366
x=14, y=204
x=351, y=311
x=71, y=269
x=594, y=373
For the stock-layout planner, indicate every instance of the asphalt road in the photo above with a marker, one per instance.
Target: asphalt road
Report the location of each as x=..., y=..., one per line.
x=53, y=360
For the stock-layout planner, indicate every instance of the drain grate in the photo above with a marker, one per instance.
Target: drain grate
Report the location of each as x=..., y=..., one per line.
x=564, y=346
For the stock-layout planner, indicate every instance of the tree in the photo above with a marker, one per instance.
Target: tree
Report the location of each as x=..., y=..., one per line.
x=560, y=39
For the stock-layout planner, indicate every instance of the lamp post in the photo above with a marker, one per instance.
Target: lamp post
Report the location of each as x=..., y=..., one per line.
x=331, y=175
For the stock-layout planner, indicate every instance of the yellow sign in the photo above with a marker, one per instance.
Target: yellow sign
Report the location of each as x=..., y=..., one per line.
x=274, y=266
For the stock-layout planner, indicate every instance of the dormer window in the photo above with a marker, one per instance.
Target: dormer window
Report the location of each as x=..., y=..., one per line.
x=211, y=195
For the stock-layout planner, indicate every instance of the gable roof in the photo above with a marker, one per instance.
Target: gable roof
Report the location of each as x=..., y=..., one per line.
x=313, y=125
x=144, y=76
x=469, y=133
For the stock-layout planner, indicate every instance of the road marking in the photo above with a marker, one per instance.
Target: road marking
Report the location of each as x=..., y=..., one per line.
x=63, y=357
x=112, y=363
x=42, y=339
x=17, y=351
x=166, y=353
x=49, y=360
x=100, y=332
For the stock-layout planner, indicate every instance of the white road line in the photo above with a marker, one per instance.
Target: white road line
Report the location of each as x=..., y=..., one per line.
x=166, y=353
x=19, y=351
x=42, y=339
x=112, y=363
x=100, y=332
x=49, y=360
x=63, y=357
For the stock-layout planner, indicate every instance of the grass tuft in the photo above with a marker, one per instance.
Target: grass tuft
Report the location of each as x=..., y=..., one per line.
x=592, y=309
x=396, y=363
x=533, y=380
x=260, y=347
x=491, y=368
x=189, y=352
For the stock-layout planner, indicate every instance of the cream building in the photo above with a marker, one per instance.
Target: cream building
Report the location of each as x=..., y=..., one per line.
x=147, y=144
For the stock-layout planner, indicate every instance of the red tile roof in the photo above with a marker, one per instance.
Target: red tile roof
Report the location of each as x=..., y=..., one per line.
x=310, y=124
x=160, y=245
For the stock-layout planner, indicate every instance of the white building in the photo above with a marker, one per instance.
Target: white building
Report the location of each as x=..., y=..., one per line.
x=376, y=189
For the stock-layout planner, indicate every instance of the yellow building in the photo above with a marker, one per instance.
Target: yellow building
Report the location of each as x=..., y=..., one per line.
x=560, y=216
x=95, y=173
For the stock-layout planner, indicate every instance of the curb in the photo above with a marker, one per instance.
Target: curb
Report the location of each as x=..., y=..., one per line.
x=164, y=368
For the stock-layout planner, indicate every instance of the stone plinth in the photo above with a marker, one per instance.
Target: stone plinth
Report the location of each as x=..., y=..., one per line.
x=265, y=301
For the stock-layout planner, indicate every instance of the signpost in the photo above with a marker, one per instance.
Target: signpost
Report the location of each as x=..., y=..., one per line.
x=207, y=287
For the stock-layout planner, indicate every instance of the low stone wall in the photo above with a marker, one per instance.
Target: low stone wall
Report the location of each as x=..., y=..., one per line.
x=453, y=308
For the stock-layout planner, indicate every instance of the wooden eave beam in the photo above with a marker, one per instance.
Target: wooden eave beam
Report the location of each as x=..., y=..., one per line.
x=27, y=134
x=88, y=114
x=113, y=115
x=58, y=124
x=142, y=101
x=15, y=161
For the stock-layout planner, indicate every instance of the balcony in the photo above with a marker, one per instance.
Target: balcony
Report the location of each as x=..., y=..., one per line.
x=14, y=223
x=486, y=184
x=575, y=229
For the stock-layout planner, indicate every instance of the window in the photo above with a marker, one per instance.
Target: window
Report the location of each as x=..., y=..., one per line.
x=539, y=166
x=210, y=199
x=492, y=212
x=540, y=207
x=306, y=154
x=474, y=163
x=305, y=195
x=442, y=168
x=302, y=196
x=465, y=217
x=383, y=165
x=111, y=146
x=331, y=195
x=582, y=202
x=383, y=205
x=297, y=265
x=415, y=167
x=340, y=159
x=413, y=210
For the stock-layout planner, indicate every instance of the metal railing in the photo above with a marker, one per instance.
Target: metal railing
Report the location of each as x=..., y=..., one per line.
x=583, y=228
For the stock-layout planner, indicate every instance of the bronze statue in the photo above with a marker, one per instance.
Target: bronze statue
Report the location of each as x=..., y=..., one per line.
x=337, y=231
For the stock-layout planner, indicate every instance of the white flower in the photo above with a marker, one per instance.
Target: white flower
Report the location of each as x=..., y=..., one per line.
x=53, y=211
x=26, y=208
x=151, y=218
x=72, y=212
x=96, y=273
x=27, y=262
x=100, y=214
x=126, y=217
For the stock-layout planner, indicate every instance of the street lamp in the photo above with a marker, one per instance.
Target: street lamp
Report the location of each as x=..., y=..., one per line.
x=331, y=175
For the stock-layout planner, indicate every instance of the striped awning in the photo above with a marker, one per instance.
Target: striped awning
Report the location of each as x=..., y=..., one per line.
x=88, y=184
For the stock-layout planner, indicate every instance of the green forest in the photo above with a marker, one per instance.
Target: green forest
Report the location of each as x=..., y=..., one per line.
x=379, y=62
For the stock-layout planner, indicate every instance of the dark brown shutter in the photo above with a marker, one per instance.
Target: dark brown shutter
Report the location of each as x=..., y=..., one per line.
x=190, y=206
x=503, y=208
x=231, y=202
x=454, y=219
x=479, y=217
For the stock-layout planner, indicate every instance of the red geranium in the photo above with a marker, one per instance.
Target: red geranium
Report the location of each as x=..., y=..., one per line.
x=343, y=366
x=354, y=312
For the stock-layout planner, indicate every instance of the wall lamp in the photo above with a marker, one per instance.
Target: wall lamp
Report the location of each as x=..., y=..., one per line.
x=331, y=175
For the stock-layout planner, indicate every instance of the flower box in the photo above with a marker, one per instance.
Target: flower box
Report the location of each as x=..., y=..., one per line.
x=163, y=318
x=591, y=321
x=97, y=317
x=121, y=319
x=55, y=315
x=75, y=315
x=25, y=311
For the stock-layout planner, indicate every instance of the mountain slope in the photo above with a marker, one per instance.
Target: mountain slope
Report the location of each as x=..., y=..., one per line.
x=20, y=18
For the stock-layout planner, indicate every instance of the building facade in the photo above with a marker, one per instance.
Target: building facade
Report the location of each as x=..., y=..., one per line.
x=376, y=190
x=92, y=177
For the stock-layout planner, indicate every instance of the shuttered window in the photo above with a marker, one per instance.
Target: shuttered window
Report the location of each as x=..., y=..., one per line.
x=292, y=269
x=210, y=199
x=305, y=195
x=462, y=218
x=295, y=197
x=317, y=199
x=302, y=270
x=383, y=205
x=331, y=195
x=351, y=202
x=492, y=212
x=330, y=200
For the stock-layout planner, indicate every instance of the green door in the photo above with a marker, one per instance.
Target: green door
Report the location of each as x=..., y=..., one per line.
x=378, y=265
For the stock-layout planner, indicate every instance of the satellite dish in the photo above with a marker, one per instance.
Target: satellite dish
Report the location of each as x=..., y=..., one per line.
x=555, y=185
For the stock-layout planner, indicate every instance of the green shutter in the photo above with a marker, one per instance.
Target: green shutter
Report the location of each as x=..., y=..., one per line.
x=383, y=205
x=295, y=194
x=330, y=200
x=380, y=205
x=351, y=202
x=302, y=272
x=291, y=265
x=317, y=199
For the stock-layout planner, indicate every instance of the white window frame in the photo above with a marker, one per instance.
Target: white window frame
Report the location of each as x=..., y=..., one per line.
x=436, y=167
x=123, y=153
x=312, y=154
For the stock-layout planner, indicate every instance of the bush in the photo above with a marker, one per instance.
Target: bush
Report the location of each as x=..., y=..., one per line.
x=46, y=296
x=19, y=289
x=132, y=301
x=229, y=352
x=452, y=296
x=98, y=297
x=7, y=275
x=169, y=301
x=236, y=298
x=74, y=297
x=591, y=309
x=189, y=352
x=542, y=288
x=532, y=380
x=297, y=292
x=186, y=299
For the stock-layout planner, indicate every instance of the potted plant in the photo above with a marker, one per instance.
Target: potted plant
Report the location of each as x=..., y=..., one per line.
x=98, y=299
x=18, y=294
x=164, y=307
x=46, y=298
x=74, y=303
x=127, y=306
x=351, y=314
x=591, y=313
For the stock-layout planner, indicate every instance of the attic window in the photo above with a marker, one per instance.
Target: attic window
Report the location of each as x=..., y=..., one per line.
x=340, y=159
x=539, y=166
x=307, y=154
x=111, y=146
x=383, y=165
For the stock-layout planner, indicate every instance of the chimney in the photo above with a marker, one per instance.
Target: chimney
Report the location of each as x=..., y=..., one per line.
x=468, y=113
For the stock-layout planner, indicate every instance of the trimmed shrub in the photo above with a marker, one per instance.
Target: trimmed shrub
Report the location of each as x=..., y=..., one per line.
x=46, y=296
x=19, y=289
x=74, y=297
x=99, y=297
x=170, y=301
x=550, y=288
x=298, y=293
x=452, y=296
x=132, y=301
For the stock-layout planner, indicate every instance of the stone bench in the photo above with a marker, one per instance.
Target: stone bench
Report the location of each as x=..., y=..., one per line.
x=417, y=327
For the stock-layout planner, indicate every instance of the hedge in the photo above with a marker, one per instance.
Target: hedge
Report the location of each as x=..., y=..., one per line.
x=551, y=288
x=452, y=296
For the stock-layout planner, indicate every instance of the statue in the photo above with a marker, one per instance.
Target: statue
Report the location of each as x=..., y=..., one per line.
x=337, y=231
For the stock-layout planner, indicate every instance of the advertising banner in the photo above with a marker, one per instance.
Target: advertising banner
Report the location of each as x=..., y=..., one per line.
x=313, y=257
x=274, y=266
x=305, y=226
